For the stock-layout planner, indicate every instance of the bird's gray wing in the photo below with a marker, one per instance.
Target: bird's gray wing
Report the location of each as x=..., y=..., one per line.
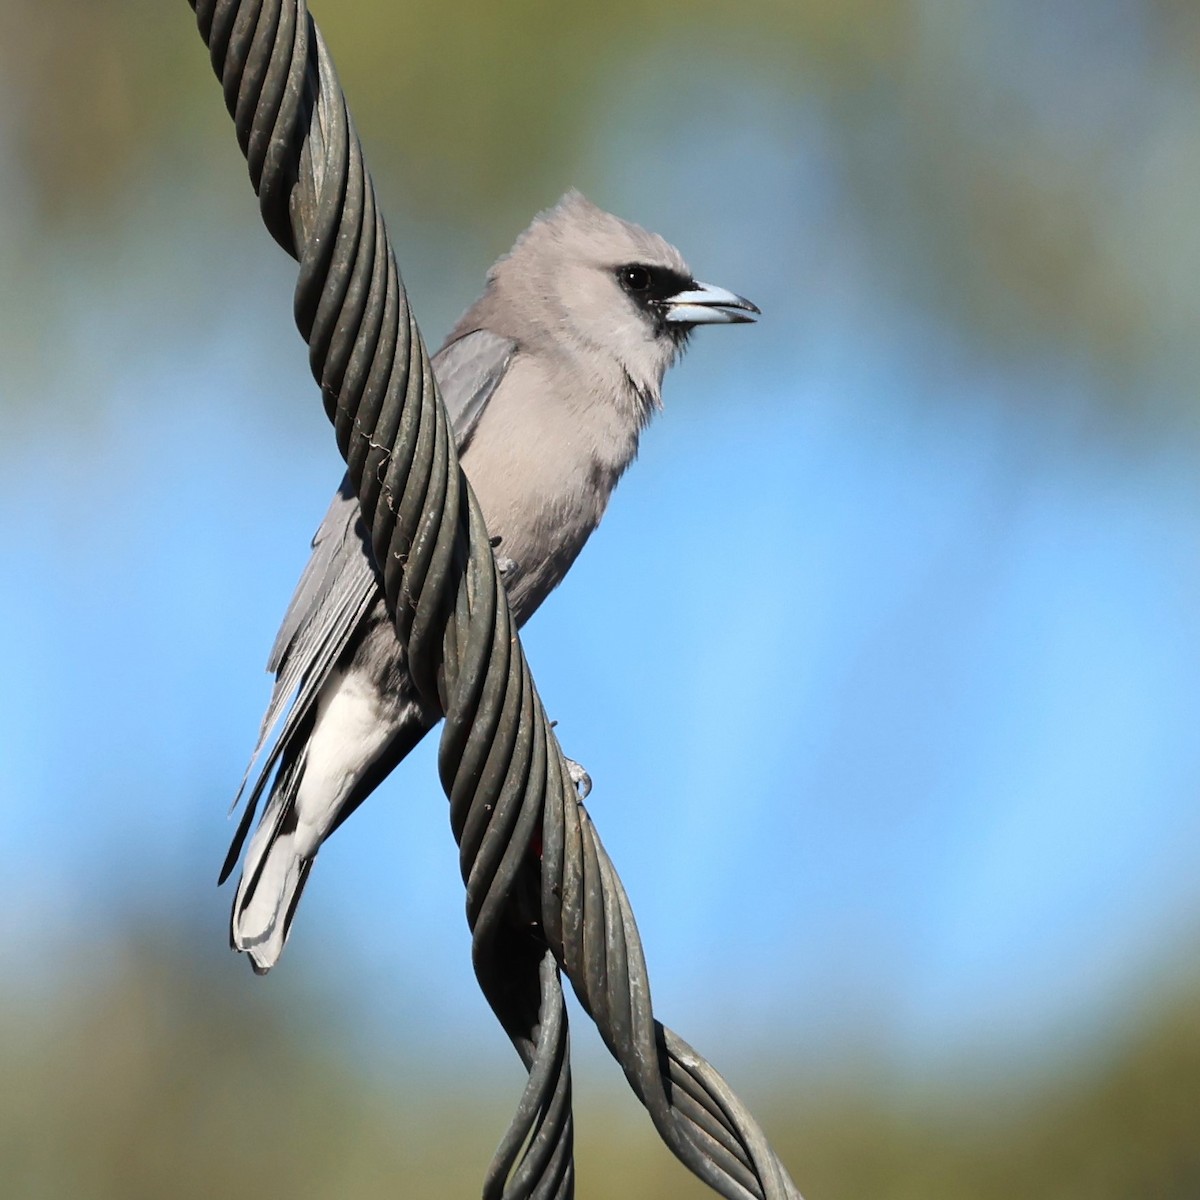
x=340, y=584
x=468, y=371
x=335, y=590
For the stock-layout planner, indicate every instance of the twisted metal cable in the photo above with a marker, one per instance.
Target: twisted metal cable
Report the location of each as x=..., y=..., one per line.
x=542, y=894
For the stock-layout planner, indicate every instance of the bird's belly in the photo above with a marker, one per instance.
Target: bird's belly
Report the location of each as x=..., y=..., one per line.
x=542, y=464
x=540, y=536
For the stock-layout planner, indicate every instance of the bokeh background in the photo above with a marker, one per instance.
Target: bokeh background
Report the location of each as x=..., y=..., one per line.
x=884, y=663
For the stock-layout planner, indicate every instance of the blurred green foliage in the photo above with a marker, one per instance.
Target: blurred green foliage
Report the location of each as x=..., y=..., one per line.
x=1019, y=170
x=465, y=100
x=152, y=1076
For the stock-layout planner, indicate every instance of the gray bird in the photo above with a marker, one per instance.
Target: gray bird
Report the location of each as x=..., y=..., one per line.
x=549, y=379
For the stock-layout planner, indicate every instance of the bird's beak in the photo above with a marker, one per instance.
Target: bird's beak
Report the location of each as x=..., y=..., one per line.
x=704, y=304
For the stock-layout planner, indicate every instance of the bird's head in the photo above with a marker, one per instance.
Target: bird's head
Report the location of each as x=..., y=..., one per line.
x=582, y=281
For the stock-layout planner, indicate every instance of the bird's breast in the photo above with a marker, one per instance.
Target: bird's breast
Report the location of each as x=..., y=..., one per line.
x=542, y=463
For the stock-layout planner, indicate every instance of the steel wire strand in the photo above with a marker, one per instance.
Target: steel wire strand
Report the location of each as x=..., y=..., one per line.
x=542, y=893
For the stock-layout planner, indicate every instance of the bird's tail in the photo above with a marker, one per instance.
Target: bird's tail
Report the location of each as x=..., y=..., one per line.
x=325, y=764
x=273, y=877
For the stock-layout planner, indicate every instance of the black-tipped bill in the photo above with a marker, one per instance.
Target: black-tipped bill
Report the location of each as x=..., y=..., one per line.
x=705, y=304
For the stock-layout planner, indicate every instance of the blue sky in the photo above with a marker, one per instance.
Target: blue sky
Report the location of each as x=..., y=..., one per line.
x=883, y=662
x=886, y=700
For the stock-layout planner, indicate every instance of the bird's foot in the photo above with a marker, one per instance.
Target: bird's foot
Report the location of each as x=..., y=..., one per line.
x=579, y=777
x=503, y=564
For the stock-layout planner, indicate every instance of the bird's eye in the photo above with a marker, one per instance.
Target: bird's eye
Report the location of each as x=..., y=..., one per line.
x=636, y=279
